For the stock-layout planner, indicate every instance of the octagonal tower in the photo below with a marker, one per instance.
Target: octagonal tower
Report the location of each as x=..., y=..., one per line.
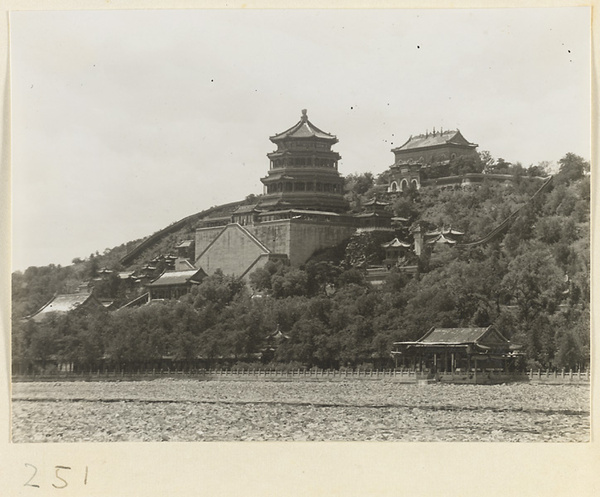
x=303, y=172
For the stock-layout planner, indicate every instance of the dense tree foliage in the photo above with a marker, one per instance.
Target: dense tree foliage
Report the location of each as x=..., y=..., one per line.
x=532, y=283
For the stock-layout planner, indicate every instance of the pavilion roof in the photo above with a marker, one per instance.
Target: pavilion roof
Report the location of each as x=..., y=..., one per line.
x=382, y=214
x=170, y=278
x=453, y=335
x=451, y=231
x=62, y=304
x=395, y=243
x=442, y=239
x=185, y=244
x=375, y=201
x=475, y=339
x=303, y=129
x=427, y=140
x=243, y=209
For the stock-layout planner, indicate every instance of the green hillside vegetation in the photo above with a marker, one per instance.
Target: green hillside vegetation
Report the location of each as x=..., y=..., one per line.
x=532, y=283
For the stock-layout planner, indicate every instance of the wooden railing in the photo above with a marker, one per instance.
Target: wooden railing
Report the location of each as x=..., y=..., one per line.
x=399, y=375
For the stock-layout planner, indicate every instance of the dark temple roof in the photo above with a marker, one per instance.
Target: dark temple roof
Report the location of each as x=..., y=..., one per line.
x=452, y=137
x=453, y=335
x=303, y=129
x=170, y=278
x=65, y=303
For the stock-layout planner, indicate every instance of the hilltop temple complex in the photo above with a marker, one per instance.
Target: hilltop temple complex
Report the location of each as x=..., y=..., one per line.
x=303, y=209
x=301, y=212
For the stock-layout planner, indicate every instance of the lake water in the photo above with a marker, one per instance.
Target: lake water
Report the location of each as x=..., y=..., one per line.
x=190, y=410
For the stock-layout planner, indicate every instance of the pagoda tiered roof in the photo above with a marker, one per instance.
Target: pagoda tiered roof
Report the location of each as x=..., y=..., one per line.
x=304, y=129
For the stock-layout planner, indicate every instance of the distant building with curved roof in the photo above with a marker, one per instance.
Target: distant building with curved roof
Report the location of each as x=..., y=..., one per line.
x=437, y=146
x=65, y=303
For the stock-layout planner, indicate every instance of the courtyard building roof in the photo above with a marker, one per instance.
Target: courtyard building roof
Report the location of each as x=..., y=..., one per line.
x=64, y=303
x=170, y=278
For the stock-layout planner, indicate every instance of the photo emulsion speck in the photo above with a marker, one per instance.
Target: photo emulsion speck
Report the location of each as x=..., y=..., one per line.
x=303, y=225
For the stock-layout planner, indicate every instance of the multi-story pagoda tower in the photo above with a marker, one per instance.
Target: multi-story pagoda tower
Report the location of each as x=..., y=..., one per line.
x=303, y=171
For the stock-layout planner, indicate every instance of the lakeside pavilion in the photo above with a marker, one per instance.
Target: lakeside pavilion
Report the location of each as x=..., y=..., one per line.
x=457, y=351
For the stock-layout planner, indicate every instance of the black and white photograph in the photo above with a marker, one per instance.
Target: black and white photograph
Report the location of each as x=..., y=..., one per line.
x=303, y=225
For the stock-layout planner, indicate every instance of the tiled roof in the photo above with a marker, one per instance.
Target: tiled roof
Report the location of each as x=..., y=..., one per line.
x=61, y=304
x=481, y=338
x=451, y=231
x=453, y=335
x=303, y=129
x=442, y=239
x=301, y=211
x=395, y=243
x=374, y=201
x=385, y=214
x=271, y=202
x=277, y=177
x=243, y=209
x=169, y=278
x=435, y=139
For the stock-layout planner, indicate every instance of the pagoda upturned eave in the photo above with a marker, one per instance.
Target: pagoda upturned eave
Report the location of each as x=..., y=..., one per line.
x=278, y=154
x=304, y=130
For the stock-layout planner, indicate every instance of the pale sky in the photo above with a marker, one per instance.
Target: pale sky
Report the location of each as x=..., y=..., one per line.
x=124, y=122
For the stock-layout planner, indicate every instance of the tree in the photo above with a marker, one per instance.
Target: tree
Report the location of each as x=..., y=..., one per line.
x=572, y=167
x=534, y=281
x=260, y=279
x=356, y=188
x=405, y=206
x=573, y=341
x=218, y=289
x=487, y=161
x=359, y=183
x=365, y=248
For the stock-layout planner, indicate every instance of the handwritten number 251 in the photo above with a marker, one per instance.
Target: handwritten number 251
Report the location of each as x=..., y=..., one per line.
x=61, y=482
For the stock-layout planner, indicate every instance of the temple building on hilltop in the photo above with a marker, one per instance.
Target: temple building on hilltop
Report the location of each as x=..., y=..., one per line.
x=302, y=211
x=303, y=171
x=424, y=152
x=437, y=146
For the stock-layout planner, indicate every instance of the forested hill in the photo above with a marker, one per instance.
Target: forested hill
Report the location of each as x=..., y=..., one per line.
x=532, y=282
